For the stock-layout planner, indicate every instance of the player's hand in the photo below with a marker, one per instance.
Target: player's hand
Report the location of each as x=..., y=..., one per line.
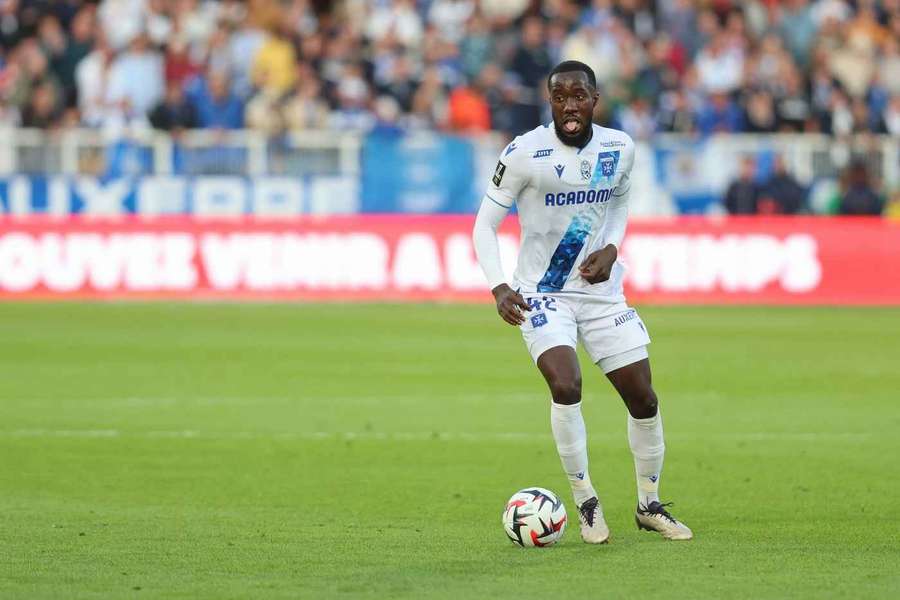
x=510, y=304
x=597, y=267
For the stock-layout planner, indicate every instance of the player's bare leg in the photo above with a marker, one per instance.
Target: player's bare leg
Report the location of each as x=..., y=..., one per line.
x=645, y=436
x=559, y=366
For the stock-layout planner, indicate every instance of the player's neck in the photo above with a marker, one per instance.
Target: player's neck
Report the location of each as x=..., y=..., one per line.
x=581, y=144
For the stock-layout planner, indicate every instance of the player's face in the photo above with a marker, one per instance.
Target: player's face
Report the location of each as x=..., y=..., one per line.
x=572, y=101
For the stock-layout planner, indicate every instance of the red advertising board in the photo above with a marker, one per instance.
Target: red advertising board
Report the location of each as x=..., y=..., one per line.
x=803, y=260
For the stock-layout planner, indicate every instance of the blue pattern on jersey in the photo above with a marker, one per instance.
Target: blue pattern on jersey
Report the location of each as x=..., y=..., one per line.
x=605, y=169
x=564, y=256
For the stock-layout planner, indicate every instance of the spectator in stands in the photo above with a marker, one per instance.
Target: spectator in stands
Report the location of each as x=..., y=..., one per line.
x=158, y=23
x=275, y=65
x=743, y=194
x=450, y=17
x=121, y=21
x=889, y=63
x=468, y=111
x=720, y=66
x=180, y=67
x=11, y=31
x=796, y=27
x=531, y=62
x=397, y=19
x=859, y=194
x=781, y=194
x=354, y=97
x=174, y=113
x=674, y=114
x=719, y=114
x=477, y=48
x=890, y=117
x=92, y=75
x=759, y=113
x=398, y=82
x=44, y=107
x=65, y=52
x=243, y=45
x=135, y=79
x=216, y=106
x=305, y=109
x=637, y=120
x=429, y=105
x=792, y=107
x=823, y=65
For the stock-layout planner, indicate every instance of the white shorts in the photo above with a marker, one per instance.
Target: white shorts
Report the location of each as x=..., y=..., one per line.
x=612, y=334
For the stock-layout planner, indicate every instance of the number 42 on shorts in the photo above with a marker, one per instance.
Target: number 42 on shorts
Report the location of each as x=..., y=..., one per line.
x=545, y=302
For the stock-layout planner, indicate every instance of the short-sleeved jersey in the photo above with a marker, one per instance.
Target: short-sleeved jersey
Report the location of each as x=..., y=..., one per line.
x=563, y=194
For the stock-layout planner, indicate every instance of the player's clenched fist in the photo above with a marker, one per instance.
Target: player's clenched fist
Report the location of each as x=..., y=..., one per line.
x=597, y=267
x=510, y=304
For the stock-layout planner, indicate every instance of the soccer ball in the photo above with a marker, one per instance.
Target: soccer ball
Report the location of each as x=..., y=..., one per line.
x=534, y=517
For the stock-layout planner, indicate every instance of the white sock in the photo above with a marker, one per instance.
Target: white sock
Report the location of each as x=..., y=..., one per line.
x=645, y=436
x=571, y=443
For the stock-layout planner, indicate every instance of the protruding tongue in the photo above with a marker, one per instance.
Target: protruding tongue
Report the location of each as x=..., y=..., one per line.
x=570, y=126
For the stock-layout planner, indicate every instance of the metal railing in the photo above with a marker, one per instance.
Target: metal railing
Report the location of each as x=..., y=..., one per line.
x=196, y=152
x=250, y=153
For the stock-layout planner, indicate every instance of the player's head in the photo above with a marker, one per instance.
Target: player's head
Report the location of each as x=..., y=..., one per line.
x=573, y=95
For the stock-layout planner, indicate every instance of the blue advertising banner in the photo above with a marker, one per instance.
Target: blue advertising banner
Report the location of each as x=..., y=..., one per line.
x=164, y=195
x=418, y=173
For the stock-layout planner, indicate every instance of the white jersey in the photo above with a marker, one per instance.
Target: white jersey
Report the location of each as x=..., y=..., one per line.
x=571, y=202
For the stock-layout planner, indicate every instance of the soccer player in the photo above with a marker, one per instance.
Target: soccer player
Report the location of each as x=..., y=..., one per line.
x=570, y=180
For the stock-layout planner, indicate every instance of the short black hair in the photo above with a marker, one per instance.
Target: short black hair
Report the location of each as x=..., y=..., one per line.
x=567, y=66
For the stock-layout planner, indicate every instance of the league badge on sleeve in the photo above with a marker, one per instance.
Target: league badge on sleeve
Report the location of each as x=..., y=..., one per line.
x=498, y=173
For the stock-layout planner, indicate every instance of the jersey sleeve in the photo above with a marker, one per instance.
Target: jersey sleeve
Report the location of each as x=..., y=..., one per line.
x=627, y=162
x=510, y=175
x=617, y=210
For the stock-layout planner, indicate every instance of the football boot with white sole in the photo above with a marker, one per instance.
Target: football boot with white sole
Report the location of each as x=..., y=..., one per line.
x=593, y=525
x=655, y=517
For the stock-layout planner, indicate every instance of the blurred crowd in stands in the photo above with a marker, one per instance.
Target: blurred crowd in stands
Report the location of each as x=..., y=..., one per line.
x=699, y=66
x=693, y=67
x=777, y=192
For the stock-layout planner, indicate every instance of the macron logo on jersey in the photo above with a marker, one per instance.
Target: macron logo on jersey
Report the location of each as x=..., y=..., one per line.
x=510, y=148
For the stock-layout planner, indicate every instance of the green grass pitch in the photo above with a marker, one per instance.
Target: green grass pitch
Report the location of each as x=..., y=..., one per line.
x=366, y=451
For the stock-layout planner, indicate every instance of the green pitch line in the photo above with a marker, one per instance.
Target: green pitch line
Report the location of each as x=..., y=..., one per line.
x=366, y=451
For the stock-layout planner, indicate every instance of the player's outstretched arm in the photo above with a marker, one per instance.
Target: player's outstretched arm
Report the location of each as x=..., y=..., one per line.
x=487, y=249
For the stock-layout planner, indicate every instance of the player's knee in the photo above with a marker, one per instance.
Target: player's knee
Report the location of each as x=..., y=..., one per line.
x=566, y=390
x=644, y=404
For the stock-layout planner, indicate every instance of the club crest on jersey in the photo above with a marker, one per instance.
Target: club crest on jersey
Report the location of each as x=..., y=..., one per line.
x=606, y=167
x=539, y=320
x=585, y=170
x=559, y=170
x=498, y=173
x=543, y=153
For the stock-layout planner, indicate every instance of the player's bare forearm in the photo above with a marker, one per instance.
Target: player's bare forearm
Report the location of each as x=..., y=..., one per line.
x=510, y=304
x=597, y=267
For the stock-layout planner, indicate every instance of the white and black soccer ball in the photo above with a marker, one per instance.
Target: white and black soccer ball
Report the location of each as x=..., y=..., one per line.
x=534, y=517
